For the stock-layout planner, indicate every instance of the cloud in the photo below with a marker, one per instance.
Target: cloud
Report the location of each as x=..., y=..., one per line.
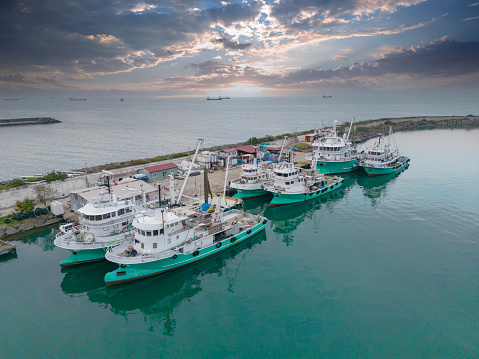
x=340, y=58
x=86, y=38
x=446, y=59
x=230, y=44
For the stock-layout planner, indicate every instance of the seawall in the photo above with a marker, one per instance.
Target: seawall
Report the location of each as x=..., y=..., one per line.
x=28, y=121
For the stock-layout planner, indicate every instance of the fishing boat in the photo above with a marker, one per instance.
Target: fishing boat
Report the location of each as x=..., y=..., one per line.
x=292, y=184
x=214, y=98
x=170, y=238
x=384, y=158
x=334, y=154
x=103, y=224
x=253, y=177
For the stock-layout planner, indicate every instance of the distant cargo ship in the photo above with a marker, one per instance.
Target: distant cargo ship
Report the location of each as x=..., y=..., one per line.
x=327, y=96
x=77, y=99
x=219, y=98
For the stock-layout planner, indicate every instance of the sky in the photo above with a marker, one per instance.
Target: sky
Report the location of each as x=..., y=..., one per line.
x=160, y=48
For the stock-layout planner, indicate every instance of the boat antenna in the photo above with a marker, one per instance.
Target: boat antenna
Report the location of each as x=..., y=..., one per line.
x=200, y=141
x=108, y=180
x=159, y=193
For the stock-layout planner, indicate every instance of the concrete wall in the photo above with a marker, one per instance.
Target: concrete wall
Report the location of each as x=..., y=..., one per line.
x=9, y=198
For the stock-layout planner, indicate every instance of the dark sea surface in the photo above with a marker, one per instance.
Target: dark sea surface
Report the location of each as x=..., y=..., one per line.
x=99, y=131
x=386, y=267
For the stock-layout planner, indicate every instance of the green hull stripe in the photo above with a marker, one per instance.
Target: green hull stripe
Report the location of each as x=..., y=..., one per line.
x=83, y=256
x=373, y=171
x=280, y=199
x=325, y=167
x=249, y=193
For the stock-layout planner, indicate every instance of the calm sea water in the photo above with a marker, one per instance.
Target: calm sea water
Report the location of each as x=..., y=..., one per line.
x=383, y=268
x=100, y=131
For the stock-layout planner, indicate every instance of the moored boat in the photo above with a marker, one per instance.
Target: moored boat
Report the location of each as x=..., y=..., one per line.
x=166, y=239
x=383, y=158
x=334, y=154
x=253, y=177
x=103, y=224
x=291, y=185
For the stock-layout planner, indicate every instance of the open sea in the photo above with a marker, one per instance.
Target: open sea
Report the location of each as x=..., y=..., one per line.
x=385, y=267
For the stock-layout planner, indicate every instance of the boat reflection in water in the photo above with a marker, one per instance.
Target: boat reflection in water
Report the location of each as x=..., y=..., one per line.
x=285, y=220
x=257, y=205
x=82, y=279
x=376, y=187
x=8, y=257
x=157, y=297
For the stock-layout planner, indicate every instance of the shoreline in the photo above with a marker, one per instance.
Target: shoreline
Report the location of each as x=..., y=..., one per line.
x=362, y=131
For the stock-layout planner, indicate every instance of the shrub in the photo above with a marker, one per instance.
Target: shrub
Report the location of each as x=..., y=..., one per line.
x=157, y=159
x=55, y=176
x=178, y=155
x=12, y=184
x=25, y=205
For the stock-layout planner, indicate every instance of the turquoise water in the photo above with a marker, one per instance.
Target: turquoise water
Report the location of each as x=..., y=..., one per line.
x=100, y=131
x=383, y=268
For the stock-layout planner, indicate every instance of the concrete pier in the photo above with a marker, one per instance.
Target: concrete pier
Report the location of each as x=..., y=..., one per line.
x=6, y=248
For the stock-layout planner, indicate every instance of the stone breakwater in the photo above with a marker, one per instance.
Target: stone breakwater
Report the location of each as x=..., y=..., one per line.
x=29, y=224
x=366, y=130
x=28, y=121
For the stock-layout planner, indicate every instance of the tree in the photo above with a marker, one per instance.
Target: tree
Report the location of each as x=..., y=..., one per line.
x=45, y=193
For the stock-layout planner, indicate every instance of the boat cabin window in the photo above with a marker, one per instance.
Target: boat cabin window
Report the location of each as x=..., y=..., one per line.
x=121, y=211
x=169, y=240
x=155, y=232
x=162, y=231
x=143, y=232
x=143, y=245
x=148, y=233
x=106, y=216
x=129, y=209
x=98, y=218
x=155, y=245
x=113, y=214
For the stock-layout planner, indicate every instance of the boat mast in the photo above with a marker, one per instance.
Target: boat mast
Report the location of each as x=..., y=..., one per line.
x=350, y=127
x=226, y=178
x=281, y=153
x=200, y=141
